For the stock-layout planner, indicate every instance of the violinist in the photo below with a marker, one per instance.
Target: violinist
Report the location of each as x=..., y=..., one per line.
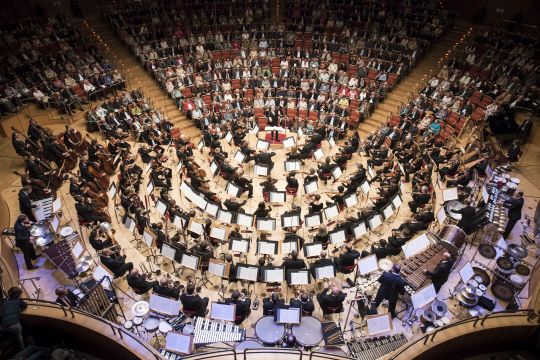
x=244, y=184
x=381, y=201
x=159, y=177
x=392, y=189
x=232, y=205
x=85, y=173
x=292, y=183
x=226, y=168
x=142, y=221
x=265, y=158
x=419, y=199
x=126, y=201
x=325, y=169
x=311, y=177
x=413, y=166
x=85, y=209
x=159, y=137
x=423, y=177
x=33, y=170
x=341, y=158
x=306, y=151
x=450, y=170
x=293, y=154
x=246, y=150
x=338, y=198
x=378, y=157
x=130, y=166
x=220, y=156
x=268, y=185
x=262, y=211
x=37, y=187
x=145, y=154
x=387, y=168
x=128, y=180
x=97, y=243
x=21, y=148
x=183, y=152
x=462, y=180
x=239, y=135
x=153, y=142
x=52, y=152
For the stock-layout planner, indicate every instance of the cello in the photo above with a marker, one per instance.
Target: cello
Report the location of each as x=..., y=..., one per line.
x=35, y=148
x=101, y=211
x=91, y=190
x=107, y=160
x=100, y=175
x=81, y=144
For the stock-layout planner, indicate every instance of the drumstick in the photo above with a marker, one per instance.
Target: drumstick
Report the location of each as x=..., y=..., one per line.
x=329, y=327
x=334, y=336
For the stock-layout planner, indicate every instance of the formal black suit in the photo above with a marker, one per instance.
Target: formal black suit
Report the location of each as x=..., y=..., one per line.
x=514, y=214
x=345, y=260
x=194, y=303
x=34, y=172
x=273, y=121
x=87, y=213
x=268, y=306
x=243, y=308
x=25, y=206
x=467, y=214
x=99, y=244
x=308, y=306
x=117, y=266
x=319, y=263
x=292, y=264
x=392, y=286
x=440, y=275
x=420, y=199
x=22, y=241
x=140, y=283
x=513, y=153
x=71, y=300
x=328, y=300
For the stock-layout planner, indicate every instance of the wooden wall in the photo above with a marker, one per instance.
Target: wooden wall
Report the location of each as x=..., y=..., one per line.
x=8, y=262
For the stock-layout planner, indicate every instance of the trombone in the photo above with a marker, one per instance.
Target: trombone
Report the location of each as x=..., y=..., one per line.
x=145, y=271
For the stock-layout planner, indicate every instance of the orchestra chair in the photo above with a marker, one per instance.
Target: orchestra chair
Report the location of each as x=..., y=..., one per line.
x=191, y=314
x=137, y=292
x=266, y=196
x=515, y=163
x=306, y=313
x=326, y=177
x=348, y=270
x=331, y=310
x=291, y=191
x=83, y=224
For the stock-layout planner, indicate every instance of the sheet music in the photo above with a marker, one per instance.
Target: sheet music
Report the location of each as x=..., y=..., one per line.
x=200, y=145
x=243, y=219
x=450, y=194
x=78, y=249
x=179, y=221
x=214, y=167
x=168, y=251
x=466, y=272
x=239, y=156
x=292, y=165
x=502, y=245
x=396, y=201
x=186, y=189
x=260, y=170
x=212, y=209
x=312, y=220
x=331, y=142
x=263, y=144
x=299, y=133
x=402, y=187
x=324, y=272
x=216, y=268
x=267, y=225
x=331, y=211
x=228, y=137
x=415, y=245
x=313, y=249
x=311, y=187
x=190, y=261
x=147, y=238
x=441, y=215
x=276, y=196
x=247, y=273
x=150, y=187
x=232, y=189
x=240, y=245
x=57, y=204
x=164, y=305
x=368, y=264
x=274, y=128
x=370, y=171
x=112, y=191
x=199, y=201
x=365, y=187
x=388, y=211
x=424, y=296
x=224, y=312
x=338, y=237
x=439, y=182
x=179, y=166
x=99, y=273
x=161, y=207
x=55, y=223
x=130, y=224
x=289, y=316
x=350, y=200
x=255, y=130
x=148, y=167
x=273, y=275
x=378, y=324
x=375, y=221
x=288, y=246
x=299, y=278
x=288, y=142
x=178, y=342
x=485, y=194
x=218, y=233
x=401, y=168
x=359, y=230
x=224, y=215
x=318, y=153
x=196, y=227
x=336, y=172
x=266, y=248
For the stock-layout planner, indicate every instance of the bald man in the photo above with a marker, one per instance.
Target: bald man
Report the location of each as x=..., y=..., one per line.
x=347, y=258
x=138, y=281
x=440, y=275
x=320, y=262
x=164, y=288
x=334, y=299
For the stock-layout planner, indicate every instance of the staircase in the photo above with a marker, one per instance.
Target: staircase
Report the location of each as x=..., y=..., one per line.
x=136, y=75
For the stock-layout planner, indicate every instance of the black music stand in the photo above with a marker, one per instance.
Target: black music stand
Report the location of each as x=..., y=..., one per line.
x=204, y=257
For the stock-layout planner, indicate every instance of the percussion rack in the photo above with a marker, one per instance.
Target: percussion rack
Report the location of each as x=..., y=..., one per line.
x=503, y=277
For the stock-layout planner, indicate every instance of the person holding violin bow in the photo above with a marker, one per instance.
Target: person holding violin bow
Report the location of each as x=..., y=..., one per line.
x=338, y=197
x=342, y=158
x=392, y=189
x=422, y=177
x=291, y=181
x=381, y=201
x=220, y=156
x=160, y=137
x=462, y=180
x=183, y=152
x=244, y=183
x=268, y=185
x=159, y=177
x=326, y=168
x=386, y=171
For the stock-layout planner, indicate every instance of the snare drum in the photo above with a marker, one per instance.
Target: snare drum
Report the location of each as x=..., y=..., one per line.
x=68, y=230
x=516, y=280
x=308, y=332
x=445, y=320
x=452, y=238
x=128, y=325
x=248, y=344
x=269, y=332
x=515, y=180
x=137, y=321
x=512, y=187
x=151, y=324
x=164, y=328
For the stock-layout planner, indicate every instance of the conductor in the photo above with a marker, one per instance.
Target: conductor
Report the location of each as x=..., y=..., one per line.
x=24, y=241
x=440, y=275
x=272, y=116
x=392, y=285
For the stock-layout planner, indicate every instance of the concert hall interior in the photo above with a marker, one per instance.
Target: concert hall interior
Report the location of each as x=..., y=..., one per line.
x=344, y=179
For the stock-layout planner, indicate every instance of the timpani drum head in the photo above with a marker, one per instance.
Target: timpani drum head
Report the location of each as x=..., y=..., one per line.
x=515, y=180
x=151, y=324
x=128, y=325
x=248, y=344
x=516, y=279
x=165, y=327
x=452, y=206
x=188, y=329
x=308, y=332
x=68, y=230
x=439, y=308
x=452, y=238
x=429, y=316
x=137, y=320
x=522, y=270
x=445, y=320
x=487, y=251
x=268, y=331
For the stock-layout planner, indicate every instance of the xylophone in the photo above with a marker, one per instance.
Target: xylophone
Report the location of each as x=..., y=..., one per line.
x=375, y=348
x=207, y=331
x=61, y=256
x=169, y=355
x=413, y=267
x=72, y=237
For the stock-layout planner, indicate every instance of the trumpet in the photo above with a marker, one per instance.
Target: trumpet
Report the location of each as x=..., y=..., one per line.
x=145, y=271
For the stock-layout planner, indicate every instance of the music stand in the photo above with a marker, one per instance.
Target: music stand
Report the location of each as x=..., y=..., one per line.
x=272, y=274
x=313, y=219
x=321, y=272
x=287, y=314
x=222, y=311
x=204, y=258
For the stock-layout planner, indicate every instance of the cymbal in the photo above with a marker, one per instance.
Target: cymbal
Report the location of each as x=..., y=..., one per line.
x=82, y=266
x=140, y=308
x=86, y=259
x=385, y=264
x=517, y=250
x=439, y=308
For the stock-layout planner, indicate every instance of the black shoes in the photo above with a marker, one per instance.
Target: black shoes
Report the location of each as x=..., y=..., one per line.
x=33, y=268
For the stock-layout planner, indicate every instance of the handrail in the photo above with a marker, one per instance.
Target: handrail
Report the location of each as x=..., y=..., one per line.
x=114, y=327
x=475, y=319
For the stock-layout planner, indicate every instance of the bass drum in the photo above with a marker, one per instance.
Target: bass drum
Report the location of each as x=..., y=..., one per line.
x=452, y=238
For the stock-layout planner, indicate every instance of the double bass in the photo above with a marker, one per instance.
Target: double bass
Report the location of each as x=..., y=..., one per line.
x=91, y=190
x=107, y=160
x=81, y=144
x=70, y=160
x=55, y=178
x=100, y=175
x=38, y=186
x=35, y=148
